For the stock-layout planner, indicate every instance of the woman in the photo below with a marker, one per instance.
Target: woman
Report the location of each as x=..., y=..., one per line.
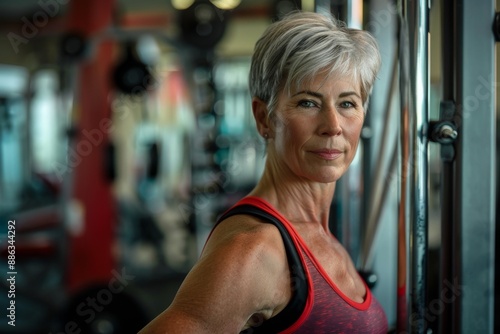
x=271, y=264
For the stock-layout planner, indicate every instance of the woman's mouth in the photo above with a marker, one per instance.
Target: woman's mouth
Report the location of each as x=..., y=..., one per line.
x=327, y=154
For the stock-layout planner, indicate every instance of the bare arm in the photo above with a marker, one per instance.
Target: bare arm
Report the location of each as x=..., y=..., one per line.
x=242, y=272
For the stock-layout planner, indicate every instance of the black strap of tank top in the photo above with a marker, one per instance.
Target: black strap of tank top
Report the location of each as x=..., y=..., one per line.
x=295, y=307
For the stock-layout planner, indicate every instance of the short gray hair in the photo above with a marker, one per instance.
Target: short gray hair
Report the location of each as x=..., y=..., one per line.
x=303, y=44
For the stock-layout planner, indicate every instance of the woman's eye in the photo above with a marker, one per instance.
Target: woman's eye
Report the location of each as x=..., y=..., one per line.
x=307, y=104
x=347, y=104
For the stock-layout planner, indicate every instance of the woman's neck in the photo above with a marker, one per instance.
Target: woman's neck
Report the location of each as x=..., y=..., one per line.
x=298, y=199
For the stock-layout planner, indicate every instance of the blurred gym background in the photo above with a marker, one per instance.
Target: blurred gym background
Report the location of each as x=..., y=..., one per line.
x=126, y=128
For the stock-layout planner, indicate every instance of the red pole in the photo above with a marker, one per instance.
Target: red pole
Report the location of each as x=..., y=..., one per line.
x=90, y=250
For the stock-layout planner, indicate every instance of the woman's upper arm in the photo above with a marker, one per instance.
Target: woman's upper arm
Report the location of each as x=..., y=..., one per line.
x=235, y=278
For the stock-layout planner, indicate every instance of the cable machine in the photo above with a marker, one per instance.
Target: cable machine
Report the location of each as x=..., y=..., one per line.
x=466, y=130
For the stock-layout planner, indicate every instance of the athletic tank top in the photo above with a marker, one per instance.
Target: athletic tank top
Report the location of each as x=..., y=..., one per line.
x=317, y=305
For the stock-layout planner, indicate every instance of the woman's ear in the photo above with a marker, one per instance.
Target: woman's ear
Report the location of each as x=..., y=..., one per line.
x=261, y=115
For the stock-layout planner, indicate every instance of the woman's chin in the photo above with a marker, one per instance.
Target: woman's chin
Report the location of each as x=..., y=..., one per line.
x=325, y=177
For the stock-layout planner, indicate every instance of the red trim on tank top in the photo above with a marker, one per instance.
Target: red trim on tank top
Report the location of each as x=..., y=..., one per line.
x=363, y=306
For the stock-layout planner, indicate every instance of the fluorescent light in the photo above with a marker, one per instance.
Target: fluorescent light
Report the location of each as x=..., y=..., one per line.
x=182, y=4
x=226, y=4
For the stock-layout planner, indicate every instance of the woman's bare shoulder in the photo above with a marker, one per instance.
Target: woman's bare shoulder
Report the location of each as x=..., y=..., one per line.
x=242, y=272
x=247, y=232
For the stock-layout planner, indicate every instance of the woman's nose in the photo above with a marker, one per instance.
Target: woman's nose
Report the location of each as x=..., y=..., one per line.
x=330, y=125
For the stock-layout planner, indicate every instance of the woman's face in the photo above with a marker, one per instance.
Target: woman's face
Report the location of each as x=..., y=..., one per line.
x=317, y=127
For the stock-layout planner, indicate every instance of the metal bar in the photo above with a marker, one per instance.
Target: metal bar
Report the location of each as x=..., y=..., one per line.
x=473, y=284
x=355, y=13
x=415, y=25
x=448, y=51
x=379, y=187
x=418, y=42
x=403, y=216
x=379, y=201
x=402, y=276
